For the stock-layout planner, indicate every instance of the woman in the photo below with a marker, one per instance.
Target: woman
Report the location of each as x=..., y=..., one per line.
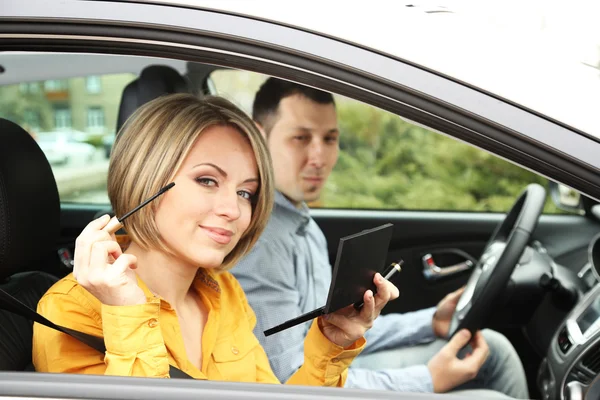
x=168, y=298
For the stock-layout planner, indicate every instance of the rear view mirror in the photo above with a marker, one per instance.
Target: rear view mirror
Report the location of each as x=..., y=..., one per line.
x=566, y=198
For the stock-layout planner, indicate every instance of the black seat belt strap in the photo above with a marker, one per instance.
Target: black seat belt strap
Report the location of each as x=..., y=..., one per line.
x=13, y=305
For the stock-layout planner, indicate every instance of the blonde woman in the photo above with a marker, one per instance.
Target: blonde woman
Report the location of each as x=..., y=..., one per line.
x=168, y=299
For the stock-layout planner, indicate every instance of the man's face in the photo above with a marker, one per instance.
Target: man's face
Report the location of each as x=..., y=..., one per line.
x=304, y=147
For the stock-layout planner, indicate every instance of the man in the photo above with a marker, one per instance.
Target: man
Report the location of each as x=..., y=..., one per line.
x=288, y=273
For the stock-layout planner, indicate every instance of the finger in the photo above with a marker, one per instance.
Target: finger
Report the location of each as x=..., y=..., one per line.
x=113, y=226
x=350, y=326
x=458, y=341
x=83, y=248
x=456, y=294
x=97, y=224
x=480, y=348
x=472, y=364
x=124, y=262
x=386, y=291
x=367, y=312
x=101, y=251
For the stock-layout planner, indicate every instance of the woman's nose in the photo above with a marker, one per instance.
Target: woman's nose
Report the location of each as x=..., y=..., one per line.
x=227, y=205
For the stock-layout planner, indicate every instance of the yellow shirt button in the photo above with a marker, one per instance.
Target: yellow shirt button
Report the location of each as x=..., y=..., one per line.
x=235, y=350
x=335, y=360
x=153, y=323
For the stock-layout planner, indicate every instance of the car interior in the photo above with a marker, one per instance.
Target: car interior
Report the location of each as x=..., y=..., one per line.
x=38, y=226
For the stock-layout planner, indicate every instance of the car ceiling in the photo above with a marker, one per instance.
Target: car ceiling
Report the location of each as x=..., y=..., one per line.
x=25, y=67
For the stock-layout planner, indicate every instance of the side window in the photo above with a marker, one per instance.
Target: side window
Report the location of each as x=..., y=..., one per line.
x=73, y=120
x=386, y=162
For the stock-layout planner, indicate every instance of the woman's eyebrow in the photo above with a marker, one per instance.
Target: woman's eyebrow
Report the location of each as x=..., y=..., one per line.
x=222, y=172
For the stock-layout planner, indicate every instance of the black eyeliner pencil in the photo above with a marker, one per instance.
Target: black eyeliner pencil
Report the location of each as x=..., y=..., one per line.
x=117, y=223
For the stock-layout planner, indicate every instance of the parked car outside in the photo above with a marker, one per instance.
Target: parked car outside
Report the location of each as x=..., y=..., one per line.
x=62, y=148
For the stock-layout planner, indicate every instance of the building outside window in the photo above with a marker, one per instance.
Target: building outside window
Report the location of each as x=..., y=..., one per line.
x=55, y=85
x=95, y=119
x=29, y=87
x=93, y=84
x=62, y=118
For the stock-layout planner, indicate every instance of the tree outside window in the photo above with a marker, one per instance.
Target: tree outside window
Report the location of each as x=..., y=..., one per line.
x=32, y=119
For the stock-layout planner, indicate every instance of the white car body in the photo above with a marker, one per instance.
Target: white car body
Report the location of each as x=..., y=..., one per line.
x=61, y=148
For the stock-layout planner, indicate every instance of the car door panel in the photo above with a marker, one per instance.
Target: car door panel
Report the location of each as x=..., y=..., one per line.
x=419, y=233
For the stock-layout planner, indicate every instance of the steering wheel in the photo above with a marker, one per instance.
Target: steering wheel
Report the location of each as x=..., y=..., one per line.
x=498, y=261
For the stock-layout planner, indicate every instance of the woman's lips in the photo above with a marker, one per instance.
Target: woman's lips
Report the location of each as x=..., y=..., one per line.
x=219, y=235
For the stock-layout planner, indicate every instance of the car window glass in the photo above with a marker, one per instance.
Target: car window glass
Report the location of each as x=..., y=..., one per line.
x=73, y=120
x=386, y=162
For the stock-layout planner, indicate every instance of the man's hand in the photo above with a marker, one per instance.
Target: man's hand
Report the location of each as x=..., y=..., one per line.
x=346, y=326
x=443, y=314
x=448, y=371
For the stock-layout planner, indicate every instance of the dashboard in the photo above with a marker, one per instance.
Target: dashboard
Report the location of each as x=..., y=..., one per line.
x=571, y=368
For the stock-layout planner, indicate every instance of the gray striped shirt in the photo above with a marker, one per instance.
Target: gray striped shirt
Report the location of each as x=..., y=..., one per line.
x=287, y=273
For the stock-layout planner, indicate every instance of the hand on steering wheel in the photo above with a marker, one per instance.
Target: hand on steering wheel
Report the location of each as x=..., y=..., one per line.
x=444, y=312
x=448, y=369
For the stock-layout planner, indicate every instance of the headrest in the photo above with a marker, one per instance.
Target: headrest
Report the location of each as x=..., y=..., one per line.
x=153, y=82
x=29, y=203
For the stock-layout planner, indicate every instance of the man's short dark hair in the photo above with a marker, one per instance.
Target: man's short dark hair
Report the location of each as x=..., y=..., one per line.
x=273, y=90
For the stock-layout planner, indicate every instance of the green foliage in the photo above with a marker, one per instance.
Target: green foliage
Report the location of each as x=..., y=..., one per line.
x=388, y=163
x=95, y=140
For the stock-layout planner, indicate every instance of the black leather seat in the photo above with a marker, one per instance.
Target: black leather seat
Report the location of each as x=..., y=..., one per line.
x=29, y=229
x=154, y=81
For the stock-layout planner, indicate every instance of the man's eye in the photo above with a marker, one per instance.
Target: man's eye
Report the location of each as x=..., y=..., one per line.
x=331, y=139
x=206, y=181
x=302, y=138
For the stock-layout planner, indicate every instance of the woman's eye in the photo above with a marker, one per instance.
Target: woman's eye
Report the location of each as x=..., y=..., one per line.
x=206, y=181
x=244, y=194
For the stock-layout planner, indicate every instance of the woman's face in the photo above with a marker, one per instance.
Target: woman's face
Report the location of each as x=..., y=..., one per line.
x=203, y=217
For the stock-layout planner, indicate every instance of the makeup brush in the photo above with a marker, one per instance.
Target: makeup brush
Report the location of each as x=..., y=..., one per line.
x=117, y=223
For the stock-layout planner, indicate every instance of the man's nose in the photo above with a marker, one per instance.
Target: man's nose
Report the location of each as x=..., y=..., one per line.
x=227, y=204
x=316, y=154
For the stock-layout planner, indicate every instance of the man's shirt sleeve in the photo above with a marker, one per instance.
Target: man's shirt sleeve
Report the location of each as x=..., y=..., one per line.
x=400, y=330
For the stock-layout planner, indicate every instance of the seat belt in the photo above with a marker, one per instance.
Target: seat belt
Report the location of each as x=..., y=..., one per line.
x=15, y=306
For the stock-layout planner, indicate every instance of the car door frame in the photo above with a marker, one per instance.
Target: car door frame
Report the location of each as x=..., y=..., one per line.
x=417, y=94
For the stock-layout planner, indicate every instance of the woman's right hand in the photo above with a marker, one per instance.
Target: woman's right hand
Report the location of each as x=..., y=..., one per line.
x=114, y=283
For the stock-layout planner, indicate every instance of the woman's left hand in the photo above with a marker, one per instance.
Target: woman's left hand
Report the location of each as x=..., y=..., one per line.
x=347, y=325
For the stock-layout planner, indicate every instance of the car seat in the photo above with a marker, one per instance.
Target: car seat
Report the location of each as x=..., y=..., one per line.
x=154, y=81
x=29, y=231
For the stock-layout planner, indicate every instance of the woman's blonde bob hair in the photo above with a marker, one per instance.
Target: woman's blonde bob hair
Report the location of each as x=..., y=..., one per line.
x=150, y=149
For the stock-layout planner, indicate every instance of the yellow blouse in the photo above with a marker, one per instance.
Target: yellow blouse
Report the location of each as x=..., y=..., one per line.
x=142, y=340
